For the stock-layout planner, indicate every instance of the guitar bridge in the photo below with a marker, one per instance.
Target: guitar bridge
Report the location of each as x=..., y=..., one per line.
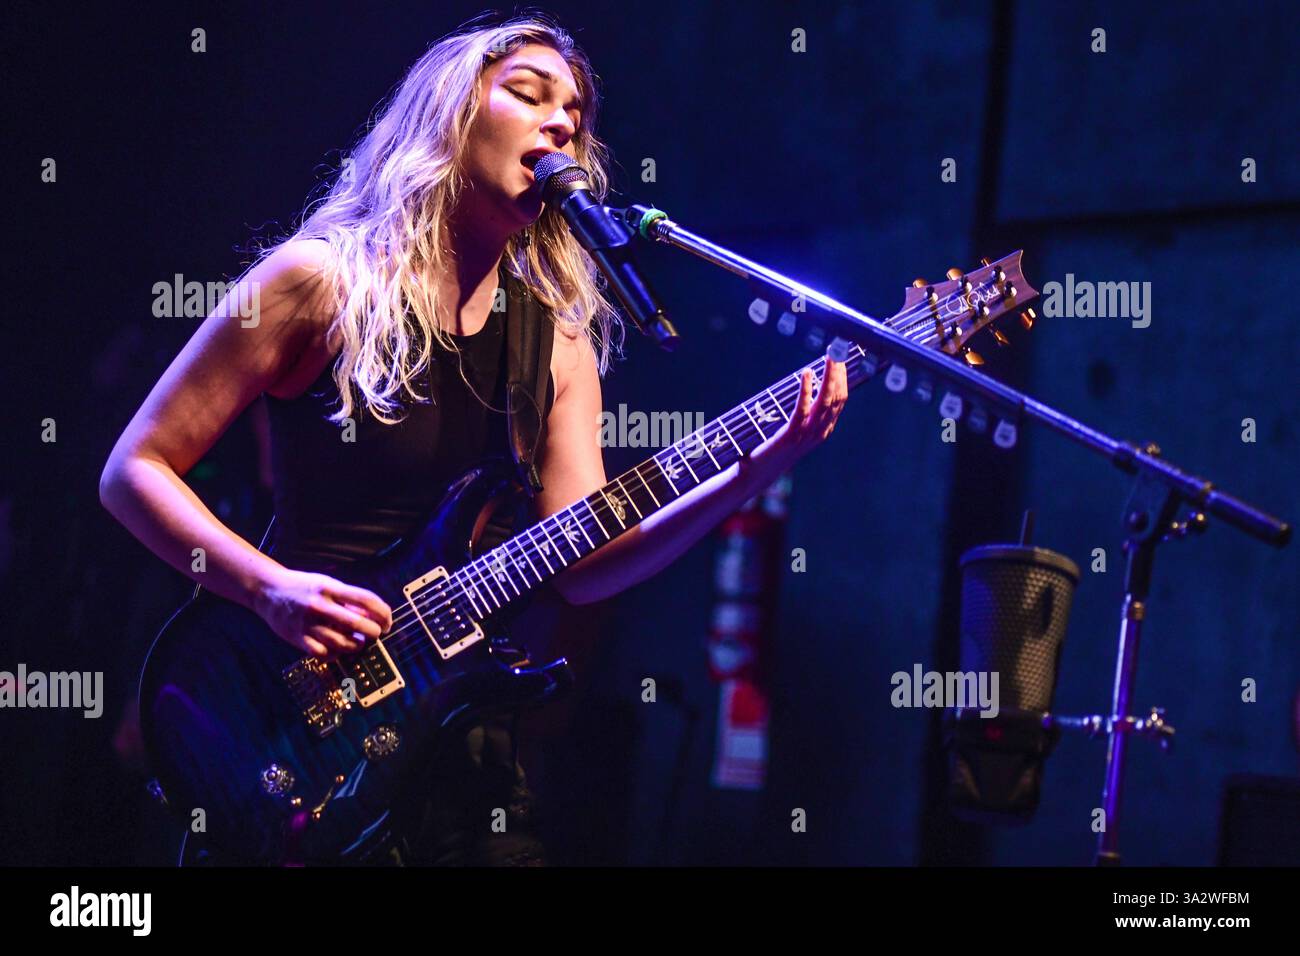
x=324, y=691
x=317, y=694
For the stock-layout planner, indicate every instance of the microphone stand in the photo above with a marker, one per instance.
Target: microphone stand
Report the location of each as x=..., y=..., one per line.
x=1160, y=488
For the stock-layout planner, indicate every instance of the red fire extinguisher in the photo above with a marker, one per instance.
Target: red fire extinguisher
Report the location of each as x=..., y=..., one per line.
x=747, y=574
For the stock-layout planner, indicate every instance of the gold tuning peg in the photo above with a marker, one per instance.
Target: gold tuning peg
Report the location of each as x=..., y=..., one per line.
x=955, y=273
x=919, y=283
x=971, y=356
x=1000, y=338
x=1027, y=318
x=984, y=261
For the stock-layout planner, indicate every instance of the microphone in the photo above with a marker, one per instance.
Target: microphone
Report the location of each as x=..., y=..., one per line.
x=1015, y=604
x=565, y=184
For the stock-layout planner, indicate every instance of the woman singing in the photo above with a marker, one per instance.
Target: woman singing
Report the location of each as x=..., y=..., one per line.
x=376, y=317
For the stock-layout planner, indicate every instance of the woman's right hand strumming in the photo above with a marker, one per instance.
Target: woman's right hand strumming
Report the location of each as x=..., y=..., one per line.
x=319, y=614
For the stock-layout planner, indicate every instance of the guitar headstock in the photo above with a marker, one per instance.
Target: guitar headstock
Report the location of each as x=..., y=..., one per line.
x=946, y=315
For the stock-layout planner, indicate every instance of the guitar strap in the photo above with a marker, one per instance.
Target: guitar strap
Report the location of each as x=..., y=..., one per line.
x=529, y=339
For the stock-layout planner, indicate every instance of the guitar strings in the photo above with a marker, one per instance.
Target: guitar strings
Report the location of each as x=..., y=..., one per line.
x=478, y=566
x=407, y=622
x=407, y=619
x=458, y=592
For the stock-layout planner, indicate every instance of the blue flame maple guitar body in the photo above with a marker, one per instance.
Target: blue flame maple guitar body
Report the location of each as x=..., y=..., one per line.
x=282, y=759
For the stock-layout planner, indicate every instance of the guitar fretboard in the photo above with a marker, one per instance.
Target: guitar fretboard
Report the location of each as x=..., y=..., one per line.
x=546, y=548
x=939, y=315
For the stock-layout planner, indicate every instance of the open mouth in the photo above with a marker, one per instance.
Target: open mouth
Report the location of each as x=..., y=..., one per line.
x=531, y=158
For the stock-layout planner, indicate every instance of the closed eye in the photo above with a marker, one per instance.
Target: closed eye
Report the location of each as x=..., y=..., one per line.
x=533, y=102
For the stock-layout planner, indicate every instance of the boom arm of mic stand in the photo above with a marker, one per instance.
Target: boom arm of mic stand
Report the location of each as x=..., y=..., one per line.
x=841, y=320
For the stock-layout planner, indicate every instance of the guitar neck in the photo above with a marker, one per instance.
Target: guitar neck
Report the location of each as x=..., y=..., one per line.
x=942, y=315
x=546, y=548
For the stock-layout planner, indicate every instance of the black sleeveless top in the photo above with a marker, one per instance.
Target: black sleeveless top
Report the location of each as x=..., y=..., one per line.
x=338, y=501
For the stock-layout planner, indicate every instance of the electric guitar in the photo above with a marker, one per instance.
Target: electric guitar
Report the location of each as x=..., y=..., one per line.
x=294, y=759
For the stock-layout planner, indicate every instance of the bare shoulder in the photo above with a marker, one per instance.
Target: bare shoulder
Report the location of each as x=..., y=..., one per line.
x=294, y=271
x=295, y=292
x=267, y=325
x=304, y=258
x=573, y=360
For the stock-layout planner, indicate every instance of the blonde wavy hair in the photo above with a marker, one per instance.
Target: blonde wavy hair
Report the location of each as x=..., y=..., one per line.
x=385, y=214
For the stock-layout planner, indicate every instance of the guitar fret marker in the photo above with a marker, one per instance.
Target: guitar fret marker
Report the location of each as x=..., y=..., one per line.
x=549, y=544
x=715, y=443
x=779, y=406
x=472, y=591
x=530, y=563
x=541, y=550
x=485, y=583
x=514, y=561
x=765, y=415
x=630, y=499
x=667, y=476
x=687, y=464
x=616, y=506
x=754, y=423
x=570, y=534
x=499, y=571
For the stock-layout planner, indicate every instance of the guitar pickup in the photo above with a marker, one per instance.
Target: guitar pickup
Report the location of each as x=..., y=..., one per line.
x=447, y=643
x=373, y=673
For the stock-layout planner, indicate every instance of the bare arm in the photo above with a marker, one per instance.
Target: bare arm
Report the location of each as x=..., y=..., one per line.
x=571, y=468
x=231, y=359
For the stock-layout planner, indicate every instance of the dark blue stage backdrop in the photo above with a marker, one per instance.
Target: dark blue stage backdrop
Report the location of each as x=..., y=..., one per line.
x=855, y=146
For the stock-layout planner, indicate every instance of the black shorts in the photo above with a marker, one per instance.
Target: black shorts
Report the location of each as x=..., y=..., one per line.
x=480, y=811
